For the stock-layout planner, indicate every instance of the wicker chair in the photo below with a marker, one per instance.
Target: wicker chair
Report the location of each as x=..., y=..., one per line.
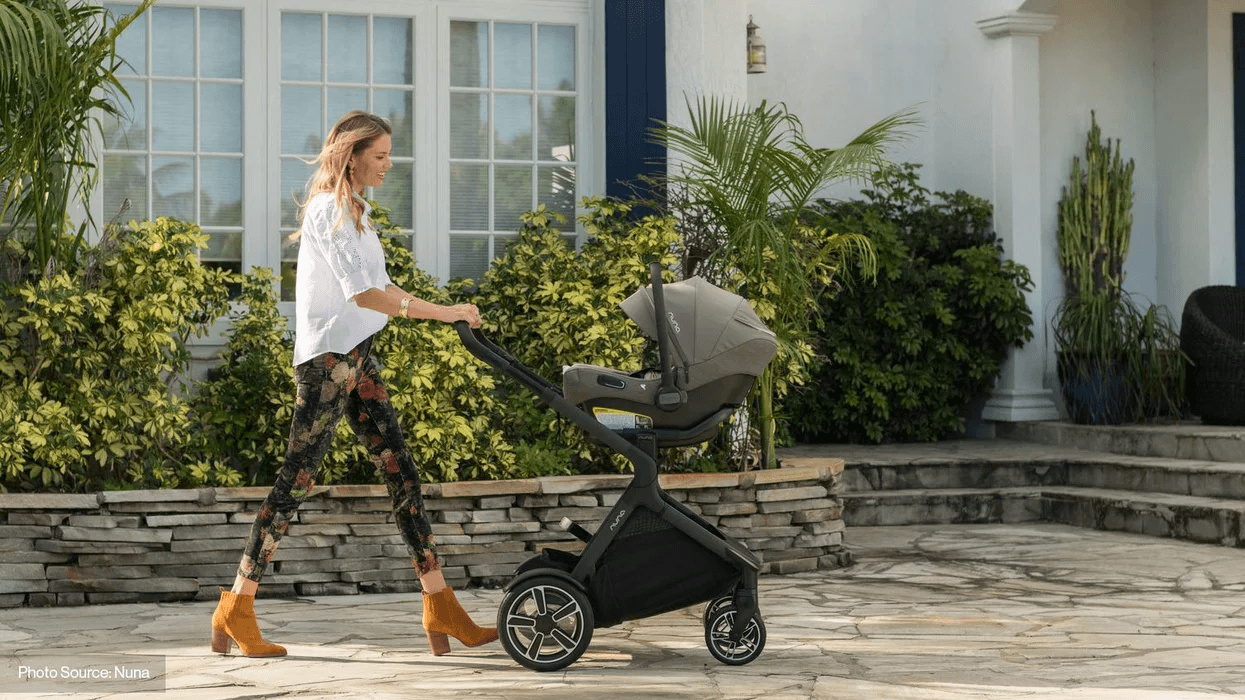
x=1212, y=334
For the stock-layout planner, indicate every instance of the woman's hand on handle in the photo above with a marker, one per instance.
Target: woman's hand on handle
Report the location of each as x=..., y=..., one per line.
x=465, y=312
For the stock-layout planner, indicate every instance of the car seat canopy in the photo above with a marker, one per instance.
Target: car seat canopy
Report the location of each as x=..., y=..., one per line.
x=714, y=333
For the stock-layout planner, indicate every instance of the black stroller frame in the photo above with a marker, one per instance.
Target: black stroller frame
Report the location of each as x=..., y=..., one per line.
x=652, y=554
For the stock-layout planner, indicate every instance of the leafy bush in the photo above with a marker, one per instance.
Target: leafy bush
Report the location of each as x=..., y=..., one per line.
x=900, y=360
x=545, y=301
x=90, y=360
x=442, y=395
x=445, y=398
x=243, y=407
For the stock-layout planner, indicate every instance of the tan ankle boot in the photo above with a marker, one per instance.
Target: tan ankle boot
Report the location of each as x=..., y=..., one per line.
x=234, y=623
x=444, y=617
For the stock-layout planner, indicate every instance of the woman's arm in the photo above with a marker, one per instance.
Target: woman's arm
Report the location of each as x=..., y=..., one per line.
x=389, y=301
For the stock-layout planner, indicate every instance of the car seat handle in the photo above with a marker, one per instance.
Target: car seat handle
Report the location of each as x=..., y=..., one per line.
x=669, y=397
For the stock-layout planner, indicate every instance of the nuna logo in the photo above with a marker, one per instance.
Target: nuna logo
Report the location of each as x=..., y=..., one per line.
x=670, y=315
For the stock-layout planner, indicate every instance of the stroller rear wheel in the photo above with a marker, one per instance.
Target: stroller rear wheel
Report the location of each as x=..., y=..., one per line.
x=719, y=620
x=545, y=623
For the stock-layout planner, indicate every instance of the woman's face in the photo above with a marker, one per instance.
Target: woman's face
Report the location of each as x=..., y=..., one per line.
x=367, y=169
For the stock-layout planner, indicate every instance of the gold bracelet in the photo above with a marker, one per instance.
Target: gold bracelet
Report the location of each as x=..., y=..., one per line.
x=402, y=309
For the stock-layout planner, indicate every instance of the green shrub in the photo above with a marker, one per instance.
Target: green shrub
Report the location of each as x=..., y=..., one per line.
x=899, y=361
x=548, y=303
x=445, y=398
x=89, y=363
x=243, y=408
x=442, y=395
x=551, y=305
x=90, y=395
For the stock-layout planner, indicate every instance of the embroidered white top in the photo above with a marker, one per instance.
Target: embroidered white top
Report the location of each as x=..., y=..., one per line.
x=335, y=263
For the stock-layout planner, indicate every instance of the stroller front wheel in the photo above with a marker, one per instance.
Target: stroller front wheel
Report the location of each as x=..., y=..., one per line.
x=713, y=606
x=545, y=623
x=719, y=620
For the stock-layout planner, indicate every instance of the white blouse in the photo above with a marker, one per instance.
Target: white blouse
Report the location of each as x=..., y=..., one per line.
x=335, y=262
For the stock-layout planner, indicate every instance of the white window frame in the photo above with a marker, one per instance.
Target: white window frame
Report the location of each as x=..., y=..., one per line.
x=421, y=13
x=261, y=124
x=588, y=129
x=254, y=86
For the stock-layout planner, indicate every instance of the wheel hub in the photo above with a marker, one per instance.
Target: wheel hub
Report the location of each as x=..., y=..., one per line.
x=545, y=624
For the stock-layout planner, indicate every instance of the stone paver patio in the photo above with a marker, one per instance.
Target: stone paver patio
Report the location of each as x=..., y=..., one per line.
x=931, y=612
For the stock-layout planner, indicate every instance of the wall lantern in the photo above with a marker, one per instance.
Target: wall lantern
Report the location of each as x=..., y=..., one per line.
x=756, y=49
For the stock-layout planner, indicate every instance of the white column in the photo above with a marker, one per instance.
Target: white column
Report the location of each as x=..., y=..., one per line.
x=1018, y=394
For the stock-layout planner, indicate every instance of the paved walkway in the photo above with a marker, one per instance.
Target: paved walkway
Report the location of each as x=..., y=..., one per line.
x=936, y=612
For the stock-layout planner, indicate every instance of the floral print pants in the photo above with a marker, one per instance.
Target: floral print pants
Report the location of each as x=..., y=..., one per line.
x=328, y=386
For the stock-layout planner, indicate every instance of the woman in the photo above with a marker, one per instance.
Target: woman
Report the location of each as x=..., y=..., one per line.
x=345, y=297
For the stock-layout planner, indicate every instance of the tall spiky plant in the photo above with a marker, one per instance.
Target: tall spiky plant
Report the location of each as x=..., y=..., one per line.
x=57, y=78
x=1112, y=361
x=1095, y=227
x=754, y=173
x=1096, y=219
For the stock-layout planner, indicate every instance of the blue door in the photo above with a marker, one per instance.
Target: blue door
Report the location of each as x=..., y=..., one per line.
x=635, y=93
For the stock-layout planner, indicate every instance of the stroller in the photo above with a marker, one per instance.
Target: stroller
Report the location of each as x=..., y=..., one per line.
x=652, y=554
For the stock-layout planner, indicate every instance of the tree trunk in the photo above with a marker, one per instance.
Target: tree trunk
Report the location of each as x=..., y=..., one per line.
x=769, y=458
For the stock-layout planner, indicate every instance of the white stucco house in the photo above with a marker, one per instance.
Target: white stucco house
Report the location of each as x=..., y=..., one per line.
x=500, y=105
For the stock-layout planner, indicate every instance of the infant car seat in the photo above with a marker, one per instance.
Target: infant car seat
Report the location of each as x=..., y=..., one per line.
x=720, y=346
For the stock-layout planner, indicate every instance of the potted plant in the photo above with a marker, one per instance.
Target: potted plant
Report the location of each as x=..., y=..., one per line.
x=1091, y=358
x=1115, y=361
x=1095, y=225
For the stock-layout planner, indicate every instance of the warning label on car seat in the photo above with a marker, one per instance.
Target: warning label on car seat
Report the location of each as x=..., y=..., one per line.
x=616, y=419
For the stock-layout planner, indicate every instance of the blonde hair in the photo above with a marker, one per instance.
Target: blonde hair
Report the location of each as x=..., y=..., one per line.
x=353, y=134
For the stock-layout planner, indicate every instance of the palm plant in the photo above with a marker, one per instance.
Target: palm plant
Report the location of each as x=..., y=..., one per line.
x=57, y=80
x=751, y=171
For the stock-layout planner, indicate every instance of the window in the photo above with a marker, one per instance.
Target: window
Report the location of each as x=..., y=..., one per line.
x=369, y=67
x=513, y=100
x=490, y=101
x=178, y=150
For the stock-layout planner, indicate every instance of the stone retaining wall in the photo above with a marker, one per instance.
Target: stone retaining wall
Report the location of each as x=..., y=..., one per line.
x=130, y=546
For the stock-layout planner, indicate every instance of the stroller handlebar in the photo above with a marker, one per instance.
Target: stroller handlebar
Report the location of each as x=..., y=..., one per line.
x=496, y=356
x=467, y=334
x=551, y=394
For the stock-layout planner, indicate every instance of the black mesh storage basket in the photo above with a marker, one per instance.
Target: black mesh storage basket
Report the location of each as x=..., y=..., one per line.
x=1212, y=334
x=650, y=568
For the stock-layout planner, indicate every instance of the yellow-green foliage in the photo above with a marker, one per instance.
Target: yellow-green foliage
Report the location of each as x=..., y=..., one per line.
x=443, y=396
x=89, y=361
x=551, y=305
x=244, y=407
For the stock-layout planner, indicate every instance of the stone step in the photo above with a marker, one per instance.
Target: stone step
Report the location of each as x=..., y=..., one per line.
x=1185, y=517
x=1183, y=440
x=945, y=505
x=1209, y=479
x=1193, y=518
